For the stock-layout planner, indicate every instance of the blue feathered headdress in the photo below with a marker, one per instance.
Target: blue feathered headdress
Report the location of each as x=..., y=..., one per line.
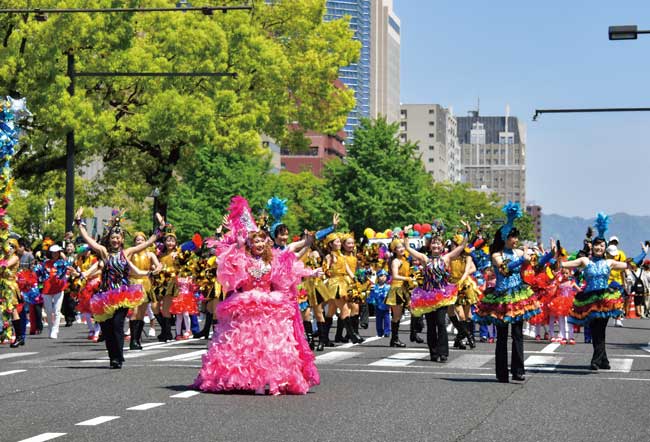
x=512, y=211
x=277, y=208
x=602, y=223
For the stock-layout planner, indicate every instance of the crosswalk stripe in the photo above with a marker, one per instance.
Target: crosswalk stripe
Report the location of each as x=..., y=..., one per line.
x=542, y=363
x=335, y=356
x=550, y=348
x=43, y=437
x=623, y=365
x=473, y=361
x=183, y=357
x=128, y=355
x=400, y=359
x=17, y=355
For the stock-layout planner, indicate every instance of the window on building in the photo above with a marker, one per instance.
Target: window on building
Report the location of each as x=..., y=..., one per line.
x=431, y=123
x=431, y=135
x=431, y=148
x=403, y=112
x=431, y=160
x=432, y=111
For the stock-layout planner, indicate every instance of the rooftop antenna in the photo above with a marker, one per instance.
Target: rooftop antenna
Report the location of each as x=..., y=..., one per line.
x=507, y=115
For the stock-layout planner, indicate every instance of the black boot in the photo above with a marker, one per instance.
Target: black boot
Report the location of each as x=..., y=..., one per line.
x=394, y=338
x=309, y=333
x=159, y=320
x=354, y=320
x=322, y=336
x=414, y=334
x=460, y=332
x=469, y=324
x=18, y=331
x=205, y=332
x=347, y=324
x=328, y=326
x=136, y=326
x=338, y=337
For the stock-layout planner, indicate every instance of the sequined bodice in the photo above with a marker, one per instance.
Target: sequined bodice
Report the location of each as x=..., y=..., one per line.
x=511, y=281
x=596, y=274
x=259, y=276
x=115, y=272
x=434, y=274
x=338, y=266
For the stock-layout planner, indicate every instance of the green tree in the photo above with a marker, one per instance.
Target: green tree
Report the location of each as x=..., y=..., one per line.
x=144, y=129
x=212, y=178
x=310, y=202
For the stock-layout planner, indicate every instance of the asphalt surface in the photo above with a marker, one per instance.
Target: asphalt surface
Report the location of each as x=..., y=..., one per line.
x=367, y=392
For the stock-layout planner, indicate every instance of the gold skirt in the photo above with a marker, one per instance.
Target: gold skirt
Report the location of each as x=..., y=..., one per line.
x=468, y=293
x=317, y=291
x=398, y=295
x=338, y=287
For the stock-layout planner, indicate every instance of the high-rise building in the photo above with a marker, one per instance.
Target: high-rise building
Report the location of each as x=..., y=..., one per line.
x=357, y=75
x=493, y=154
x=384, y=61
x=434, y=129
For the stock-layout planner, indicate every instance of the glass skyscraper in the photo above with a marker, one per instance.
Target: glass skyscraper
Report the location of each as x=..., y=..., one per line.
x=357, y=75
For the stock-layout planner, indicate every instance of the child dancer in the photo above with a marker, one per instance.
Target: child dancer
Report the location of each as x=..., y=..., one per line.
x=377, y=298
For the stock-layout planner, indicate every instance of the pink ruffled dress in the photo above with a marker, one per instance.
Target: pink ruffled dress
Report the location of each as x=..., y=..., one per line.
x=259, y=338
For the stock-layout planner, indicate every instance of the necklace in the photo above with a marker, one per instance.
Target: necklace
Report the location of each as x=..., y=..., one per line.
x=259, y=268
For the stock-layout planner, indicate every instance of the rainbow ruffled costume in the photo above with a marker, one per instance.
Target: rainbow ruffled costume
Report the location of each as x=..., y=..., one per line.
x=259, y=338
x=511, y=301
x=436, y=292
x=115, y=291
x=597, y=300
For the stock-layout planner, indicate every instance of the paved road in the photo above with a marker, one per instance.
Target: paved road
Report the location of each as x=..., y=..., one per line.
x=63, y=390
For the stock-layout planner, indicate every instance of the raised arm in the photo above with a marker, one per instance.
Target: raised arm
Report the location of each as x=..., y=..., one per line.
x=617, y=265
x=419, y=256
x=98, y=248
x=576, y=263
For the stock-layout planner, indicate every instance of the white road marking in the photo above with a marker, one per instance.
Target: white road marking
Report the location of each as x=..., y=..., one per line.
x=542, y=363
x=550, y=348
x=646, y=348
x=185, y=394
x=7, y=373
x=97, y=420
x=471, y=362
x=147, y=347
x=147, y=406
x=621, y=365
x=17, y=355
x=43, y=437
x=335, y=356
x=183, y=357
x=128, y=355
x=400, y=359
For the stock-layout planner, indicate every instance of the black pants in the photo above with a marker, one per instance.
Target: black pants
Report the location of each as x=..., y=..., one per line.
x=67, y=308
x=501, y=351
x=437, y=338
x=364, y=315
x=598, y=329
x=113, y=332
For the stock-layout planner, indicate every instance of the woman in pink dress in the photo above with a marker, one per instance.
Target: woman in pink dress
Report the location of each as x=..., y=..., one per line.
x=259, y=340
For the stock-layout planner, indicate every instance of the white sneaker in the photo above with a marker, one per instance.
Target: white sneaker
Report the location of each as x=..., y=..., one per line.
x=618, y=323
x=151, y=333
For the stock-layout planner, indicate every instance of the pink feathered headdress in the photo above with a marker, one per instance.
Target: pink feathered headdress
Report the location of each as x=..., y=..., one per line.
x=240, y=218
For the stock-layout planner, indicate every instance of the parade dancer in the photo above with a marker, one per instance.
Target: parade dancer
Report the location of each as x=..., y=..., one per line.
x=400, y=294
x=598, y=302
x=145, y=261
x=436, y=293
x=258, y=341
x=511, y=302
x=116, y=296
x=54, y=275
x=461, y=269
x=11, y=299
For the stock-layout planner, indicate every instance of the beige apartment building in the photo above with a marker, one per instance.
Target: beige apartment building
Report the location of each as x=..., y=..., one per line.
x=434, y=129
x=384, y=61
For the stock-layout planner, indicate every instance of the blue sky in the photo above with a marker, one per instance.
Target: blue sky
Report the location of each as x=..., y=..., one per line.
x=535, y=55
